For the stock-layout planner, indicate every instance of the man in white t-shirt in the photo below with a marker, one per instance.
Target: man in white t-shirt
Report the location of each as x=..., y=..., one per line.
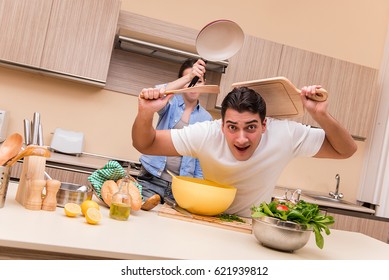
x=243, y=149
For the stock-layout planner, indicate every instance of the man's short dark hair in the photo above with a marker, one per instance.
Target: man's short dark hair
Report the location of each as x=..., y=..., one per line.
x=244, y=99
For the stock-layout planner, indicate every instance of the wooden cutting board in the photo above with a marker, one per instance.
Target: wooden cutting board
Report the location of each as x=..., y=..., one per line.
x=282, y=98
x=166, y=211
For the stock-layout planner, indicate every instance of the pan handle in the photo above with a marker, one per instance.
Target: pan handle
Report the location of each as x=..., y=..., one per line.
x=320, y=96
x=195, y=79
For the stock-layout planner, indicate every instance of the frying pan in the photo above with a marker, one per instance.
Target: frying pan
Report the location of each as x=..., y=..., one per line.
x=214, y=89
x=281, y=96
x=218, y=40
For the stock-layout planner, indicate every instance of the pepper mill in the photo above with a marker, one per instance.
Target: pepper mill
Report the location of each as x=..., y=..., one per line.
x=50, y=200
x=34, y=197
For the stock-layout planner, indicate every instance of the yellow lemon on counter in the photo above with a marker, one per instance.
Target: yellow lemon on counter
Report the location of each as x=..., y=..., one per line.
x=93, y=216
x=72, y=209
x=89, y=204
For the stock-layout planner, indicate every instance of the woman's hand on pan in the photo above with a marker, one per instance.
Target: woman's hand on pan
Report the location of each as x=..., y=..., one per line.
x=198, y=69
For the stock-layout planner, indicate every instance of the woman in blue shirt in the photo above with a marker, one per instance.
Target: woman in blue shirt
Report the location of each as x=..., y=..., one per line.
x=181, y=110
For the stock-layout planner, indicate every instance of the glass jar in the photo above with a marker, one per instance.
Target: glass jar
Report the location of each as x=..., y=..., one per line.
x=121, y=202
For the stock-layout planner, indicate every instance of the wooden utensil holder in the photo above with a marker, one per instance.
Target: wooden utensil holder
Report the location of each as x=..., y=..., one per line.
x=33, y=170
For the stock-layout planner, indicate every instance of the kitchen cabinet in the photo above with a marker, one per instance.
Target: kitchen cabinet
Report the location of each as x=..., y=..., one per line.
x=258, y=58
x=71, y=39
x=80, y=38
x=76, y=169
x=69, y=174
x=353, y=89
x=376, y=228
x=130, y=72
x=23, y=25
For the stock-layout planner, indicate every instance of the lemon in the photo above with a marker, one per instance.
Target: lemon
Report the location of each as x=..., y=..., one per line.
x=93, y=216
x=88, y=204
x=72, y=209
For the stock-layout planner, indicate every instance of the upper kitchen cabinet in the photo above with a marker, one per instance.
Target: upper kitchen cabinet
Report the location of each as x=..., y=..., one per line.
x=256, y=59
x=149, y=52
x=352, y=88
x=23, y=25
x=80, y=38
x=71, y=39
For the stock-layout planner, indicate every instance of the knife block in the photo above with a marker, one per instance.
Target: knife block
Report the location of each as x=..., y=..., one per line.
x=33, y=173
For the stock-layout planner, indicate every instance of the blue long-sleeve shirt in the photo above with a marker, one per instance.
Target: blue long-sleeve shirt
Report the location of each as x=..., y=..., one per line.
x=169, y=116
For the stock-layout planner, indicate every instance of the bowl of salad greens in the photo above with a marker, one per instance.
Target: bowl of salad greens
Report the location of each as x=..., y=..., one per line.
x=287, y=226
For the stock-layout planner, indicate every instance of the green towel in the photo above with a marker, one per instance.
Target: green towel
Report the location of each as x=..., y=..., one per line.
x=111, y=171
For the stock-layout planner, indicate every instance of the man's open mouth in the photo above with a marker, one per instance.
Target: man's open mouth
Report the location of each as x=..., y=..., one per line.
x=242, y=149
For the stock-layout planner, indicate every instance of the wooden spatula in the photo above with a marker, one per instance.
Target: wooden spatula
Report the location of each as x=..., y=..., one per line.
x=10, y=147
x=281, y=96
x=213, y=89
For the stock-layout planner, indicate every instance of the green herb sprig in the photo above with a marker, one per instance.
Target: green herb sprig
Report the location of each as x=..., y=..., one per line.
x=230, y=218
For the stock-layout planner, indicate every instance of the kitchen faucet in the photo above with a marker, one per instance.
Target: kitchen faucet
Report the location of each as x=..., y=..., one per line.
x=292, y=196
x=336, y=194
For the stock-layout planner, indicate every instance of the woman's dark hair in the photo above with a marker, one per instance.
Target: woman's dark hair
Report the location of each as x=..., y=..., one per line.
x=185, y=65
x=244, y=99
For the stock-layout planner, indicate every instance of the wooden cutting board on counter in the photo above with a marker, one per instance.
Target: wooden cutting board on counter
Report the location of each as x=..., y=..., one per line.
x=166, y=211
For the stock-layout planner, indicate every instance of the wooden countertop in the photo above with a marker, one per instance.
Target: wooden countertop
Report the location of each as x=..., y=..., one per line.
x=85, y=160
x=146, y=235
x=88, y=162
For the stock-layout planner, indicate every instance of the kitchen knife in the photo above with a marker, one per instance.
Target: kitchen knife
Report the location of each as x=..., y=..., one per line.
x=175, y=206
x=40, y=135
x=35, y=128
x=27, y=132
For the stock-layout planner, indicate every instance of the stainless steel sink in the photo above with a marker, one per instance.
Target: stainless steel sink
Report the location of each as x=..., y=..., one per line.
x=332, y=197
x=328, y=198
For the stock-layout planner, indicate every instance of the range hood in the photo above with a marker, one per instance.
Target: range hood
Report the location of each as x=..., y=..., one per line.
x=142, y=47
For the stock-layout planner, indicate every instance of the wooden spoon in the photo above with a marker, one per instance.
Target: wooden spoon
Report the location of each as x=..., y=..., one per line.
x=213, y=89
x=10, y=147
x=31, y=150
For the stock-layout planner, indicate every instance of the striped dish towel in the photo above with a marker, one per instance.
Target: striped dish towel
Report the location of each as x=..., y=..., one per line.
x=111, y=171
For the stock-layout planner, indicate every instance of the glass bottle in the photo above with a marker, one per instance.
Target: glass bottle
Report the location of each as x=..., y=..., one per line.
x=121, y=202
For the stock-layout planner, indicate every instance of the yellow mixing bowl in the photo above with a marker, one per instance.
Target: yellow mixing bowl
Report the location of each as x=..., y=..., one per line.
x=202, y=197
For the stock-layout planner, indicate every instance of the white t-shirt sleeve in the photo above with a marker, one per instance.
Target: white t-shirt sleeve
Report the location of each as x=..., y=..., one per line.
x=307, y=140
x=191, y=138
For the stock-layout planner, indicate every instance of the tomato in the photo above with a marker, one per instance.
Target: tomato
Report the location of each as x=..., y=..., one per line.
x=281, y=207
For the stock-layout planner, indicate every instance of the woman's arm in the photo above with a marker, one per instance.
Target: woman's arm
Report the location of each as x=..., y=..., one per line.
x=198, y=70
